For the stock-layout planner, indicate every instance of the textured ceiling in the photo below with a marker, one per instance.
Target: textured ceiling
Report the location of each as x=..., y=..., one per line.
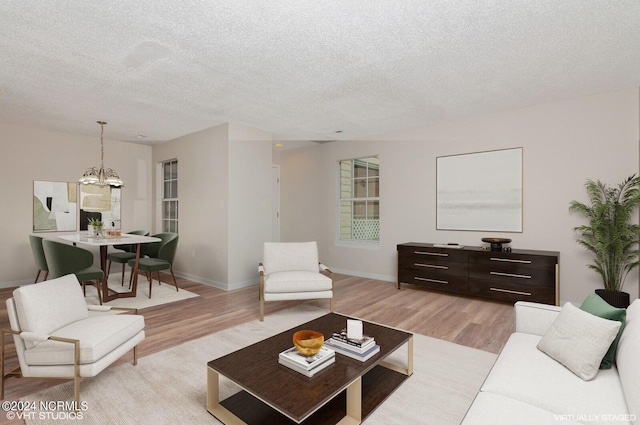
x=302, y=69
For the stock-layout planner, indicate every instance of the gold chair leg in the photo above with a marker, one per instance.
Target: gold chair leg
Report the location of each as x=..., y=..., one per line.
x=261, y=310
x=2, y=366
x=135, y=355
x=261, y=294
x=76, y=373
x=76, y=391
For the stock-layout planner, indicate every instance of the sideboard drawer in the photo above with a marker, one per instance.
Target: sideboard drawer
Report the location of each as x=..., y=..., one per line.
x=436, y=279
x=510, y=291
x=434, y=254
x=514, y=263
x=427, y=265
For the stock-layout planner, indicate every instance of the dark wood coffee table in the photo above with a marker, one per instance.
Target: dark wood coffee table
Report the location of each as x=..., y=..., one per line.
x=345, y=392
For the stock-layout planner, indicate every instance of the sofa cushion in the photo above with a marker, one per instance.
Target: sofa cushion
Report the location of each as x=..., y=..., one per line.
x=525, y=373
x=579, y=340
x=296, y=281
x=286, y=256
x=492, y=409
x=45, y=307
x=98, y=335
x=595, y=305
x=628, y=360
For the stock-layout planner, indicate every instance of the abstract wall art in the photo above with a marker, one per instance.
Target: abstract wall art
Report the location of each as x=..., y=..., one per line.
x=480, y=191
x=55, y=206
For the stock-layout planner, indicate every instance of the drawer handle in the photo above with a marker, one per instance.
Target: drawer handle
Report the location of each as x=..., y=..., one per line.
x=528, y=294
x=444, y=282
x=522, y=276
x=431, y=266
x=509, y=260
x=437, y=254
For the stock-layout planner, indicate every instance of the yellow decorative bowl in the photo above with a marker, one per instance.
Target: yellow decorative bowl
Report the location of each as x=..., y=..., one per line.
x=308, y=343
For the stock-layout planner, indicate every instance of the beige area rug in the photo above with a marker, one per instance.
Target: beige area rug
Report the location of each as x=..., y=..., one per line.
x=160, y=294
x=170, y=387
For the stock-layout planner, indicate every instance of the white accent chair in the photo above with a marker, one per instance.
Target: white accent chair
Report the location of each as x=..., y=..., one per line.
x=291, y=271
x=56, y=337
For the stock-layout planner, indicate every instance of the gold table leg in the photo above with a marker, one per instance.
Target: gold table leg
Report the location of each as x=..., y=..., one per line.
x=354, y=404
x=213, y=401
x=409, y=369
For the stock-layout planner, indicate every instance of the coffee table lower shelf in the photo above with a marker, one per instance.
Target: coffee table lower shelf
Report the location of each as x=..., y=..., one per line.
x=377, y=385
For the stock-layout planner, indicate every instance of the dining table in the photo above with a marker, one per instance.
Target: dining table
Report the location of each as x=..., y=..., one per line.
x=103, y=243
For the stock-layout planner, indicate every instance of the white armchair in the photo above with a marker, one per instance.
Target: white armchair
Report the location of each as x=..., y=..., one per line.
x=55, y=337
x=291, y=271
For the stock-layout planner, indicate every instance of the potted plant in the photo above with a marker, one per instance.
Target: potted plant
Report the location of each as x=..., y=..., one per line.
x=95, y=227
x=610, y=235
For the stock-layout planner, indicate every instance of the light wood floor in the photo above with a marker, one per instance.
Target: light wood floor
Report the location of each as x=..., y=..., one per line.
x=476, y=323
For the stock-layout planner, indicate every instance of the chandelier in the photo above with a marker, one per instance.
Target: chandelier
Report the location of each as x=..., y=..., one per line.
x=101, y=177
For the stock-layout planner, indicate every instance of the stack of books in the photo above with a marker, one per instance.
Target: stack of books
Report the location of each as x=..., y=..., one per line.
x=307, y=365
x=359, y=349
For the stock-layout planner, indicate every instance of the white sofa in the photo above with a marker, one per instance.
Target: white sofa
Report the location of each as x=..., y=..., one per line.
x=525, y=386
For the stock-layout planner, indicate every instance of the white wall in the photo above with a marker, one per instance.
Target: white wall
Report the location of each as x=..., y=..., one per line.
x=564, y=143
x=203, y=196
x=28, y=154
x=249, y=202
x=224, y=193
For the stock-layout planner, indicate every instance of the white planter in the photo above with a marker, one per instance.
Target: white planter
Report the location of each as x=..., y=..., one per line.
x=95, y=231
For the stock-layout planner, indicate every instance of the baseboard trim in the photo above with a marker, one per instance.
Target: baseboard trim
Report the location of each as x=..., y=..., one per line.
x=16, y=283
x=358, y=273
x=216, y=284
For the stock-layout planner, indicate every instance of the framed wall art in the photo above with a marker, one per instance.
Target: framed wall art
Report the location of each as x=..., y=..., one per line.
x=55, y=206
x=480, y=191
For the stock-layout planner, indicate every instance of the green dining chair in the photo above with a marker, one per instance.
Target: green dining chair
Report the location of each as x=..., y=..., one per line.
x=38, y=256
x=64, y=259
x=159, y=256
x=126, y=253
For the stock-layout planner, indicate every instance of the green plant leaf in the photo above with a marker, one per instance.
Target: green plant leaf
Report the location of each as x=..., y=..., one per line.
x=609, y=235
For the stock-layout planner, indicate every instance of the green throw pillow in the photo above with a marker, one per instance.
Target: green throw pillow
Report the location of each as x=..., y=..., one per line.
x=595, y=305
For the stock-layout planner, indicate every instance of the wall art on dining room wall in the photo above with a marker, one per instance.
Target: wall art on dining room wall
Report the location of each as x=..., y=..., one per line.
x=480, y=191
x=55, y=206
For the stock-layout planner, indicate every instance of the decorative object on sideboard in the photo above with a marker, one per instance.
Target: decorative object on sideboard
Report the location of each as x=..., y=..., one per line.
x=610, y=234
x=101, y=177
x=308, y=342
x=496, y=243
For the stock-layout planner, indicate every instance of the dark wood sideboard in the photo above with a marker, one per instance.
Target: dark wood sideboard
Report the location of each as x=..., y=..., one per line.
x=525, y=275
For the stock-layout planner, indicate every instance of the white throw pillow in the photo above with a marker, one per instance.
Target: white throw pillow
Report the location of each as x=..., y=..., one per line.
x=579, y=340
